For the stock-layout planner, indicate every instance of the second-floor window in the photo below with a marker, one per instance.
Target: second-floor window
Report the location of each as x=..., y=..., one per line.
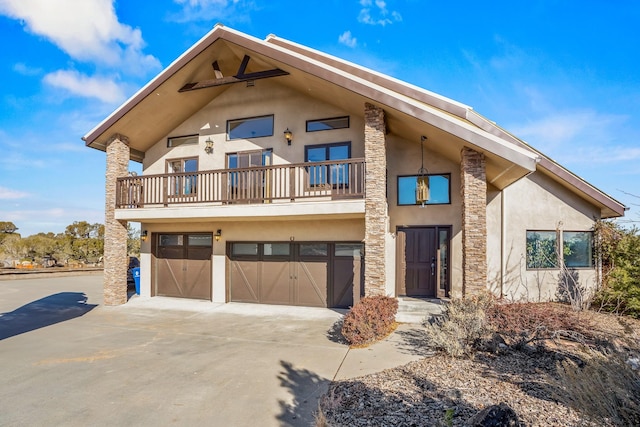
x=251, y=127
x=335, y=175
x=183, y=179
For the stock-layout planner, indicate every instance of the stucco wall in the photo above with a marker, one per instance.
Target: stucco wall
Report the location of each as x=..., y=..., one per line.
x=404, y=159
x=291, y=110
x=536, y=202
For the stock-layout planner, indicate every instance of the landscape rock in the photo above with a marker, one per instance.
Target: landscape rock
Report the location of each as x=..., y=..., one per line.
x=495, y=416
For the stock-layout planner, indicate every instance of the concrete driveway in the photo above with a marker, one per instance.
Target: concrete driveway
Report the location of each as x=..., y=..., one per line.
x=65, y=359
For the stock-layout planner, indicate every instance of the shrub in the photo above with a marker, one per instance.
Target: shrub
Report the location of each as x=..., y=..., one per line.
x=605, y=389
x=525, y=323
x=462, y=325
x=619, y=250
x=370, y=320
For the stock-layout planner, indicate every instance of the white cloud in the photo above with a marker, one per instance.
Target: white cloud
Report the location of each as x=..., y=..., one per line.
x=26, y=70
x=9, y=194
x=209, y=10
x=104, y=89
x=87, y=30
x=561, y=127
x=347, y=39
x=376, y=13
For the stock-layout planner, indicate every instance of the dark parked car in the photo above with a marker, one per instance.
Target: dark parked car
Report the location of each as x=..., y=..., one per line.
x=133, y=263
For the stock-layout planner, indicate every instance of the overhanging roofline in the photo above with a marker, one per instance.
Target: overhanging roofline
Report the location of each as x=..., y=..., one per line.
x=147, y=89
x=450, y=116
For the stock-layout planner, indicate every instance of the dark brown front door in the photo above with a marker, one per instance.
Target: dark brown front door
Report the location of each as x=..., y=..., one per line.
x=183, y=265
x=422, y=260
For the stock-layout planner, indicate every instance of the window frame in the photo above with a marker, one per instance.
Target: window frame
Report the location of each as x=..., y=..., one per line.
x=556, y=264
x=183, y=137
x=181, y=188
x=325, y=120
x=230, y=121
x=447, y=175
x=327, y=181
x=591, y=254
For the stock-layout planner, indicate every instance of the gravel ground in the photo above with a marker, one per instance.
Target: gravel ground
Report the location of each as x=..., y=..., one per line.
x=442, y=391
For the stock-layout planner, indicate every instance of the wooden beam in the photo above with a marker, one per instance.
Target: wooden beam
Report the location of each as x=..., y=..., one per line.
x=241, y=76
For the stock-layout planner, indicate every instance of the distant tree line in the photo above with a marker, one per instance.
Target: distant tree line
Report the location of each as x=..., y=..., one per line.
x=81, y=242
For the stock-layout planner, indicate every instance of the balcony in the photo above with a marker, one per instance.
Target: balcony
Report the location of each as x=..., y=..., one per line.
x=330, y=181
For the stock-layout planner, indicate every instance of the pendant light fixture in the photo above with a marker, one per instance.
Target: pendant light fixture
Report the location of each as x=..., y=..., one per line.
x=422, y=181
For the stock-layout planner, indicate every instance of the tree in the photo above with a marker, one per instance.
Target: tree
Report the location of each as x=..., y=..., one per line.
x=619, y=250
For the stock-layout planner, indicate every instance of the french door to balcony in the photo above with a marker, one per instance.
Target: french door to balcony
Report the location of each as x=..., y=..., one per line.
x=182, y=182
x=249, y=184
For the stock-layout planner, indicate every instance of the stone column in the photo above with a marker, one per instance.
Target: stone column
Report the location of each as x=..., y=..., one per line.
x=473, y=190
x=375, y=217
x=115, y=232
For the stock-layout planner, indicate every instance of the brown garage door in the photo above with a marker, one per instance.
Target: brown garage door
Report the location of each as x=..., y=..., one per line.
x=183, y=265
x=308, y=274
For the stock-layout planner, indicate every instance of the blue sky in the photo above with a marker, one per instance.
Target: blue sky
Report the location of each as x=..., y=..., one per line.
x=562, y=75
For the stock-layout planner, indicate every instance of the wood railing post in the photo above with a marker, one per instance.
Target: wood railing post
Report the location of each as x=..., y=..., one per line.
x=292, y=183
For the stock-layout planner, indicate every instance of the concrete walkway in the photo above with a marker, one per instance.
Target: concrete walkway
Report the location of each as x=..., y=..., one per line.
x=65, y=359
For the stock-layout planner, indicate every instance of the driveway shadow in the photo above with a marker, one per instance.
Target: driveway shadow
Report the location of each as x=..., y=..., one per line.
x=46, y=311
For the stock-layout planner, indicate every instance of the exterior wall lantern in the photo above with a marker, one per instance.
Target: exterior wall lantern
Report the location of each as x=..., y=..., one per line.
x=144, y=235
x=208, y=148
x=218, y=235
x=422, y=181
x=288, y=136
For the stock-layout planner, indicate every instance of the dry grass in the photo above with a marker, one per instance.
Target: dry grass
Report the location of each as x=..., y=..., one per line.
x=604, y=389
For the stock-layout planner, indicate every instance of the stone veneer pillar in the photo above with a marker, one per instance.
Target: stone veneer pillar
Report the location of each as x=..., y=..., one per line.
x=115, y=232
x=473, y=190
x=375, y=217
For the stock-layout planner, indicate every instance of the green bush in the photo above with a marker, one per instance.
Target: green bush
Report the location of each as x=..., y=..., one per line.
x=370, y=320
x=620, y=253
x=462, y=326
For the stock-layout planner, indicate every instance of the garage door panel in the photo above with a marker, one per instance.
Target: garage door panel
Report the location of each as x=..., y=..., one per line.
x=275, y=284
x=243, y=281
x=167, y=282
x=311, y=289
x=182, y=266
x=197, y=281
x=347, y=276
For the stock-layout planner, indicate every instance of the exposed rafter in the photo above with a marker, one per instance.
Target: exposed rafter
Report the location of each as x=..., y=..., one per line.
x=241, y=76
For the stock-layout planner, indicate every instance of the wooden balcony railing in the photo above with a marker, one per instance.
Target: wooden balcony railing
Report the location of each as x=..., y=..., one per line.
x=335, y=179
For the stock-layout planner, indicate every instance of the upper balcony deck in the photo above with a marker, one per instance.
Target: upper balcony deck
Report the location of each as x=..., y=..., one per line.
x=270, y=191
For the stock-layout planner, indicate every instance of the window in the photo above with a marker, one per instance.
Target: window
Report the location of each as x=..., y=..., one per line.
x=276, y=249
x=175, y=141
x=247, y=159
x=313, y=249
x=328, y=124
x=349, y=249
x=244, y=249
x=335, y=175
x=254, y=127
x=577, y=248
x=542, y=249
x=200, y=240
x=184, y=182
x=439, y=190
x=170, y=240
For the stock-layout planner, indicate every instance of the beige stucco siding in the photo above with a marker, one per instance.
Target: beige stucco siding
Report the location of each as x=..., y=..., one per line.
x=291, y=109
x=536, y=202
x=404, y=158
